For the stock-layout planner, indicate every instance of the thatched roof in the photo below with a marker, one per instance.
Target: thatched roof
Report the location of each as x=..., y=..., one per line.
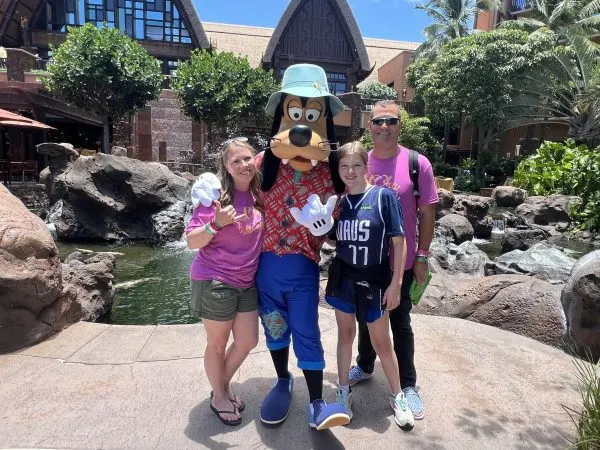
x=252, y=42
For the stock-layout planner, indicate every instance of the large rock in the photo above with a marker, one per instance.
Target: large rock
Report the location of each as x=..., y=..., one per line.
x=38, y=295
x=508, y=196
x=456, y=227
x=522, y=239
x=116, y=198
x=581, y=302
x=463, y=261
x=475, y=209
x=517, y=303
x=89, y=276
x=445, y=204
x=543, y=261
x=550, y=210
x=30, y=279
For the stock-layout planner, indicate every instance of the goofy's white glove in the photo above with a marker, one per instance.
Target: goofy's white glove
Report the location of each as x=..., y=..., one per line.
x=206, y=189
x=315, y=216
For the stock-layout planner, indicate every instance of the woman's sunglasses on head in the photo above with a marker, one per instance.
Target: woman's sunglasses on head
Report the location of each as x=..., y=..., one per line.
x=387, y=120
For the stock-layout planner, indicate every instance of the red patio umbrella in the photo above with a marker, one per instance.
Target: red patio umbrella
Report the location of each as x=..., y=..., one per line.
x=9, y=119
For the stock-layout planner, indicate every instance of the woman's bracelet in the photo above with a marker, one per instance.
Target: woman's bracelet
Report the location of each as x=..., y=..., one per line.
x=422, y=252
x=420, y=258
x=209, y=229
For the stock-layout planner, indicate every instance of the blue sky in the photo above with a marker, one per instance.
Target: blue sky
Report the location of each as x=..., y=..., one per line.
x=385, y=19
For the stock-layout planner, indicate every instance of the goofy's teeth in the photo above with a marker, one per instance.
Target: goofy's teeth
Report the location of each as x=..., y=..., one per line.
x=285, y=161
x=314, y=162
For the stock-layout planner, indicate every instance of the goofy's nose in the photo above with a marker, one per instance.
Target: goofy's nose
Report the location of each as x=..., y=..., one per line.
x=300, y=135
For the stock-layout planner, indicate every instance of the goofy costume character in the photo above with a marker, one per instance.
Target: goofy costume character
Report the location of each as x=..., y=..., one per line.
x=300, y=178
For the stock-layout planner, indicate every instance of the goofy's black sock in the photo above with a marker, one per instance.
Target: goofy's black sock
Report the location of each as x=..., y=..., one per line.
x=280, y=360
x=314, y=382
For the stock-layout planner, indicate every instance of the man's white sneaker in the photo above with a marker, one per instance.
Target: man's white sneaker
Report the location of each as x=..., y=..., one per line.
x=402, y=414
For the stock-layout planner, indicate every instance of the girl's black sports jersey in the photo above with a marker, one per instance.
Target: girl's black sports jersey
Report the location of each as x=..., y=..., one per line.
x=367, y=222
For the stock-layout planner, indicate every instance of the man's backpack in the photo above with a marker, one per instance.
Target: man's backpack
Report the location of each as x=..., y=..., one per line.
x=413, y=170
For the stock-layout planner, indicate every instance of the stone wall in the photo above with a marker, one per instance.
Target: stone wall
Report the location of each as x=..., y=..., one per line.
x=170, y=125
x=33, y=196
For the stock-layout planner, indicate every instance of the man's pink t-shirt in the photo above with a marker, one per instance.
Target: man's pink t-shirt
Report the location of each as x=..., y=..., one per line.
x=232, y=255
x=393, y=173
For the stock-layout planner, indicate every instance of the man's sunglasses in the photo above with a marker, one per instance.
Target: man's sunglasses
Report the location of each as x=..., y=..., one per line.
x=387, y=120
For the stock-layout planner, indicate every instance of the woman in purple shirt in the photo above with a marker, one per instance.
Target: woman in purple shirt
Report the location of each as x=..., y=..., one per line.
x=228, y=235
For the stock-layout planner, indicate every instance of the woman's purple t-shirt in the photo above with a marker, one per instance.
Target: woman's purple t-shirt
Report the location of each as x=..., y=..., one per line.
x=232, y=255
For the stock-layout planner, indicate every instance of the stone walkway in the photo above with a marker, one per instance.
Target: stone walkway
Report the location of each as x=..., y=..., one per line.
x=108, y=386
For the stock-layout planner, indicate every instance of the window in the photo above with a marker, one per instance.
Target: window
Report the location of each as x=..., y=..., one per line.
x=155, y=20
x=337, y=83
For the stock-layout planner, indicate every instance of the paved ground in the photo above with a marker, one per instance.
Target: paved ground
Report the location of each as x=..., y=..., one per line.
x=100, y=386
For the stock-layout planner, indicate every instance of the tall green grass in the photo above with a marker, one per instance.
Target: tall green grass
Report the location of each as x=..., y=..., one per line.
x=588, y=420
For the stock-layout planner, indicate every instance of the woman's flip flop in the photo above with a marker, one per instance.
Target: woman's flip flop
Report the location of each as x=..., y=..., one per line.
x=225, y=421
x=237, y=401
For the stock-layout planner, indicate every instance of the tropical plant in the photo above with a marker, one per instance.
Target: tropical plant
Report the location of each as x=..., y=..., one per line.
x=222, y=89
x=569, y=169
x=587, y=420
x=415, y=133
x=564, y=90
x=475, y=77
x=377, y=91
x=451, y=19
x=103, y=71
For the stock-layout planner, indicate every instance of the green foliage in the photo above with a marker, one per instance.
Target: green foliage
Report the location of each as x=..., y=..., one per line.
x=473, y=77
x=444, y=169
x=587, y=421
x=377, y=91
x=467, y=182
x=567, y=169
x=103, y=71
x=221, y=88
x=450, y=19
x=415, y=133
x=468, y=164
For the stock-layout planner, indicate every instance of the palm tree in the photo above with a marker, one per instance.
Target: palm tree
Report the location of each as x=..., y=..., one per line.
x=564, y=90
x=567, y=88
x=451, y=19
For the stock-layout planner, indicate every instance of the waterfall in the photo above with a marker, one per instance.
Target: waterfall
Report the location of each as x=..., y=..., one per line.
x=499, y=225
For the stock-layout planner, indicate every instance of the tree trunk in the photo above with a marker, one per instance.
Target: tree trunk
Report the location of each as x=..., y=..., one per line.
x=105, y=136
x=446, y=139
x=480, y=148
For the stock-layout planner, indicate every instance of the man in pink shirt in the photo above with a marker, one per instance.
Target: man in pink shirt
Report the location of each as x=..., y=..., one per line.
x=389, y=167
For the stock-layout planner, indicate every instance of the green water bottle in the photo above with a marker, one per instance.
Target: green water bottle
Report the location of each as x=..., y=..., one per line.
x=416, y=290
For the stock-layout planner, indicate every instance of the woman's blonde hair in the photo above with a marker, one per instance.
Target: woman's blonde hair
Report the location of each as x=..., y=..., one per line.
x=353, y=148
x=227, y=184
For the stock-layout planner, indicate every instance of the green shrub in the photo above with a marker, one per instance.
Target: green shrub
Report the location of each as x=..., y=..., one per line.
x=377, y=91
x=444, y=169
x=587, y=421
x=564, y=168
x=467, y=182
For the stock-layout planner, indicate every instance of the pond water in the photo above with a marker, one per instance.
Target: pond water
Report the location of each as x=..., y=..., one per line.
x=152, y=283
x=153, y=287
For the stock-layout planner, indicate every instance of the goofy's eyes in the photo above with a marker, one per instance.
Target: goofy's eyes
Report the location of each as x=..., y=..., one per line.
x=295, y=113
x=312, y=115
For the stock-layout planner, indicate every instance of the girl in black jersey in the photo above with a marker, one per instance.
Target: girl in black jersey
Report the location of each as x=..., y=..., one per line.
x=361, y=283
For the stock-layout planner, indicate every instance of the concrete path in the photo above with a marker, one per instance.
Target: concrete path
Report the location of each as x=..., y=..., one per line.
x=101, y=386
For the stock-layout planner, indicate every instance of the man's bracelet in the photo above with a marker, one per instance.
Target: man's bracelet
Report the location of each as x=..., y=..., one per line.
x=209, y=229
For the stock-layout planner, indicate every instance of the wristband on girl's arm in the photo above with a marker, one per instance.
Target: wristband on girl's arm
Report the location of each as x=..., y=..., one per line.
x=422, y=259
x=209, y=229
x=213, y=223
x=422, y=252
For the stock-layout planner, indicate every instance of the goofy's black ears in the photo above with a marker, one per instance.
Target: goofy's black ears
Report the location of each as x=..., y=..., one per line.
x=338, y=184
x=270, y=163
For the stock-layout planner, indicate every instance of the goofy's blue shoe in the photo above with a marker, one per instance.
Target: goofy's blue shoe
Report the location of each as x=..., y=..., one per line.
x=322, y=416
x=276, y=405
